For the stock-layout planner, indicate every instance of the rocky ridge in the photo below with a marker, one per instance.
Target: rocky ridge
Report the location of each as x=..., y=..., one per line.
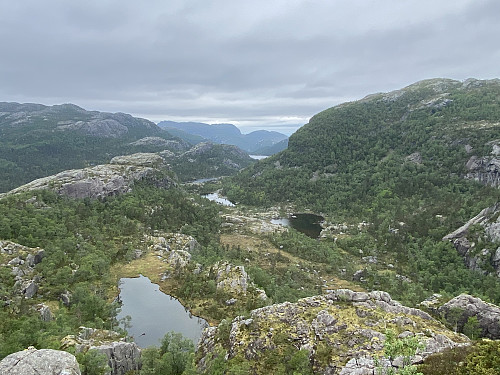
x=103, y=180
x=98, y=124
x=343, y=331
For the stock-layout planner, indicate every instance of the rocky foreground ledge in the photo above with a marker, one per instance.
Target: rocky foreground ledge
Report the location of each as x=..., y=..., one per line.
x=343, y=331
x=40, y=362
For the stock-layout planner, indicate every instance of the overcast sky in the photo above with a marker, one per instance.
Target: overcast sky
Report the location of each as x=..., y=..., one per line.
x=255, y=63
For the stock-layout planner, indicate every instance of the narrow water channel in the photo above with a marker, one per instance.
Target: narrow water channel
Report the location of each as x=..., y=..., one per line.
x=154, y=313
x=215, y=197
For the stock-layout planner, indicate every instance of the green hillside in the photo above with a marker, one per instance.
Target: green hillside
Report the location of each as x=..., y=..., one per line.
x=391, y=171
x=37, y=140
x=349, y=155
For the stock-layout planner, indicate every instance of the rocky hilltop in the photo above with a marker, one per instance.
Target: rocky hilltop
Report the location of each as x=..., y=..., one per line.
x=38, y=141
x=71, y=117
x=207, y=159
x=343, y=332
x=100, y=181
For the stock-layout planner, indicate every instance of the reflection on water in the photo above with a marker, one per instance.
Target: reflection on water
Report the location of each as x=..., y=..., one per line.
x=155, y=313
x=309, y=224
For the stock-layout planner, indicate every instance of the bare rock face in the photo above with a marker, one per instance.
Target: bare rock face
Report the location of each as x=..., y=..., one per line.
x=123, y=356
x=103, y=180
x=40, y=362
x=487, y=230
x=230, y=278
x=485, y=170
x=467, y=306
x=343, y=331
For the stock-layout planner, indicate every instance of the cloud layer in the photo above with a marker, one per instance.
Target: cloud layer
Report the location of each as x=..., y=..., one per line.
x=254, y=63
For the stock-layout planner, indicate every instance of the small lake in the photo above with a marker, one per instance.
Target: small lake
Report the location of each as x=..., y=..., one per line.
x=258, y=157
x=155, y=313
x=215, y=197
x=309, y=224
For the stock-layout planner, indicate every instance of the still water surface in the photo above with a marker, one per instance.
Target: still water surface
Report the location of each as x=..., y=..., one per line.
x=155, y=313
x=309, y=224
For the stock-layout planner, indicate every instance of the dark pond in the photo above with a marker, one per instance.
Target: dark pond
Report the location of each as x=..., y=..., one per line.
x=309, y=224
x=155, y=313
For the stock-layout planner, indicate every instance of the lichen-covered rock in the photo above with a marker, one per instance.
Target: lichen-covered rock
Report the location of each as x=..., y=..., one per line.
x=459, y=309
x=173, y=248
x=485, y=170
x=140, y=159
x=103, y=180
x=40, y=362
x=230, y=278
x=340, y=330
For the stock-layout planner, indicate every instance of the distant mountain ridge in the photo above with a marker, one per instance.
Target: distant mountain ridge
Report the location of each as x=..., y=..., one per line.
x=226, y=134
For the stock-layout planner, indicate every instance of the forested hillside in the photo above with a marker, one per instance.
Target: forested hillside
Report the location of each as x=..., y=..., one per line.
x=401, y=163
x=37, y=140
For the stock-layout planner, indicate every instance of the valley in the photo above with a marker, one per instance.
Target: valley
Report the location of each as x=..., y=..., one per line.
x=400, y=191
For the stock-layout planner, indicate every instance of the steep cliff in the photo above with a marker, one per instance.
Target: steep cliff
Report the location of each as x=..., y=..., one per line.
x=478, y=241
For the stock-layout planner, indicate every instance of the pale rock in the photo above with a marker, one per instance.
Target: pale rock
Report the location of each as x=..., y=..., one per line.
x=40, y=362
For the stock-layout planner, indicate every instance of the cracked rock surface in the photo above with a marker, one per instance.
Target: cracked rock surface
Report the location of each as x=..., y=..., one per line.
x=40, y=362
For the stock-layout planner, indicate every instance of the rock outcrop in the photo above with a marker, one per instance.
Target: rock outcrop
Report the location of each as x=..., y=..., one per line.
x=480, y=250
x=170, y=144
x=343, y=331
x=485, y=170
x=123, y=356
x=174, y=249
x=459, y=309
x=230, y=278
x=103, y=180
x=21, y=260
x=40, y=362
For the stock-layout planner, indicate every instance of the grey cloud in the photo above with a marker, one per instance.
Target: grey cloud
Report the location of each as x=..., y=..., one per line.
x=254, y=62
